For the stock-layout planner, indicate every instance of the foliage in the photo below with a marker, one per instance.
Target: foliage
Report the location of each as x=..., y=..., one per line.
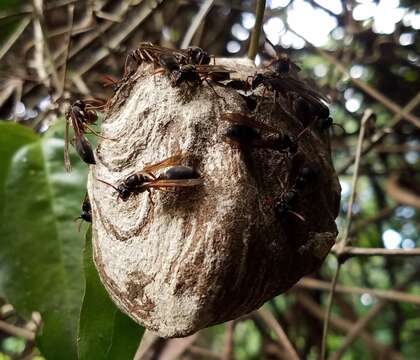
x=104, y=332
x=42, y=249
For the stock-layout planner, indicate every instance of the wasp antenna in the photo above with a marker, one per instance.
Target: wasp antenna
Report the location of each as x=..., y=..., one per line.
x=267, y=40
x=302, y=132
x=80, y=225
x=107, y=183
x=300, y=217
x=340, y=126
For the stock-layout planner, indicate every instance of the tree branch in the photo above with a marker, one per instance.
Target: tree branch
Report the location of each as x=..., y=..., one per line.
x=345, y=237
x=255, y=37
x=272, y=323
x=391, y=295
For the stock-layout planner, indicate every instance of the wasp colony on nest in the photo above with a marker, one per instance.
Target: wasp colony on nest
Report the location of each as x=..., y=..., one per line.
x=211, y=189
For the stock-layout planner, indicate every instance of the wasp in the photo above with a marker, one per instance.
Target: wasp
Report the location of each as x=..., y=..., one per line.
x=251, y=101
x=176, y=176
x=316, y=112
x=169, y=62
x=303, y=175
x=150, y=53
x=285, y=204
x=237, y=84
x=306, y=101
x=109, y=82
x=196, y=74
x=289, y=85
x=244, y=134
x=81, y=115
x=86, y=211
x=324, y=124
x=306, y=110
x=146, y=52
x=243, y=131
x=280, y=63
x=198, y=56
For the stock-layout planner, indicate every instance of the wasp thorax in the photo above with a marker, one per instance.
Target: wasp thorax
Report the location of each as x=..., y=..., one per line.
x=80, y=104
x=198, y=55
x=133, y=181
x=281, y=66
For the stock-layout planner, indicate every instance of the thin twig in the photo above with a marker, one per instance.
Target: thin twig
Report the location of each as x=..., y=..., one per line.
x=88, y=39
x=361, y=323
x=395, y=108
x=391, y=295
x=173, y=349
x=27, y=9
x=63, y=82
x=349, y=251
x=400, y=148
x=203, y=352
x=16, y=34
x=401, y=194
x=389, y=104
x=323, y=8
x=108, y=16
x=255, y=37
x=39, y=62
x=118, y=37
x=16, y=331
x=124, y=6
x=8, y=89
x=37, y=6
x=196, y=22
x=227, y=352
x=284, y=341
x=380, y=215
x=80, y=84
x=411, y=105
x=356, y=329
x=345, y=325
x=344, y=239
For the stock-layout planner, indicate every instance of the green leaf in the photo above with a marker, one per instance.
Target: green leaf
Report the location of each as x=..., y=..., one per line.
x=9, y=23
x=126, y=337
x=104, y=331
x=12, y=137
x=41, y=257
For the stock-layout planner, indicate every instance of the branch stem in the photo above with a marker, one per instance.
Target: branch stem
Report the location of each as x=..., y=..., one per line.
x=345, y=238
x=259, y=15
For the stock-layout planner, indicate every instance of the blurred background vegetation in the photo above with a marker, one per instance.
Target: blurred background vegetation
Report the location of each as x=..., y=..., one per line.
x=363, y=53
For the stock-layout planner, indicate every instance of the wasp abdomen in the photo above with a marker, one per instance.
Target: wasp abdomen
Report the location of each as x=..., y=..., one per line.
x=179, y=172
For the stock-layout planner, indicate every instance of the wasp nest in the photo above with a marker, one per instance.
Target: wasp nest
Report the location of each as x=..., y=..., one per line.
x=255, y=216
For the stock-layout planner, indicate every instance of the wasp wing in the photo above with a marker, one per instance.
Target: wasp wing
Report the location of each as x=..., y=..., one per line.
x=270, y=49
x=181, y=55
x=84, y=149
x=67, y=164
x=173, y=183
x=243, y=119
x=170, y=161
x=212, y=69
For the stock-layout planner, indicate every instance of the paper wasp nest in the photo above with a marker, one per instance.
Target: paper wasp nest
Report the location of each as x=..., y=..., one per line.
x=204, y=255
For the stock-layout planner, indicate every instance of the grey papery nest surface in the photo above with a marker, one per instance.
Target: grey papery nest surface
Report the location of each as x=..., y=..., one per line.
x=203, y=255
